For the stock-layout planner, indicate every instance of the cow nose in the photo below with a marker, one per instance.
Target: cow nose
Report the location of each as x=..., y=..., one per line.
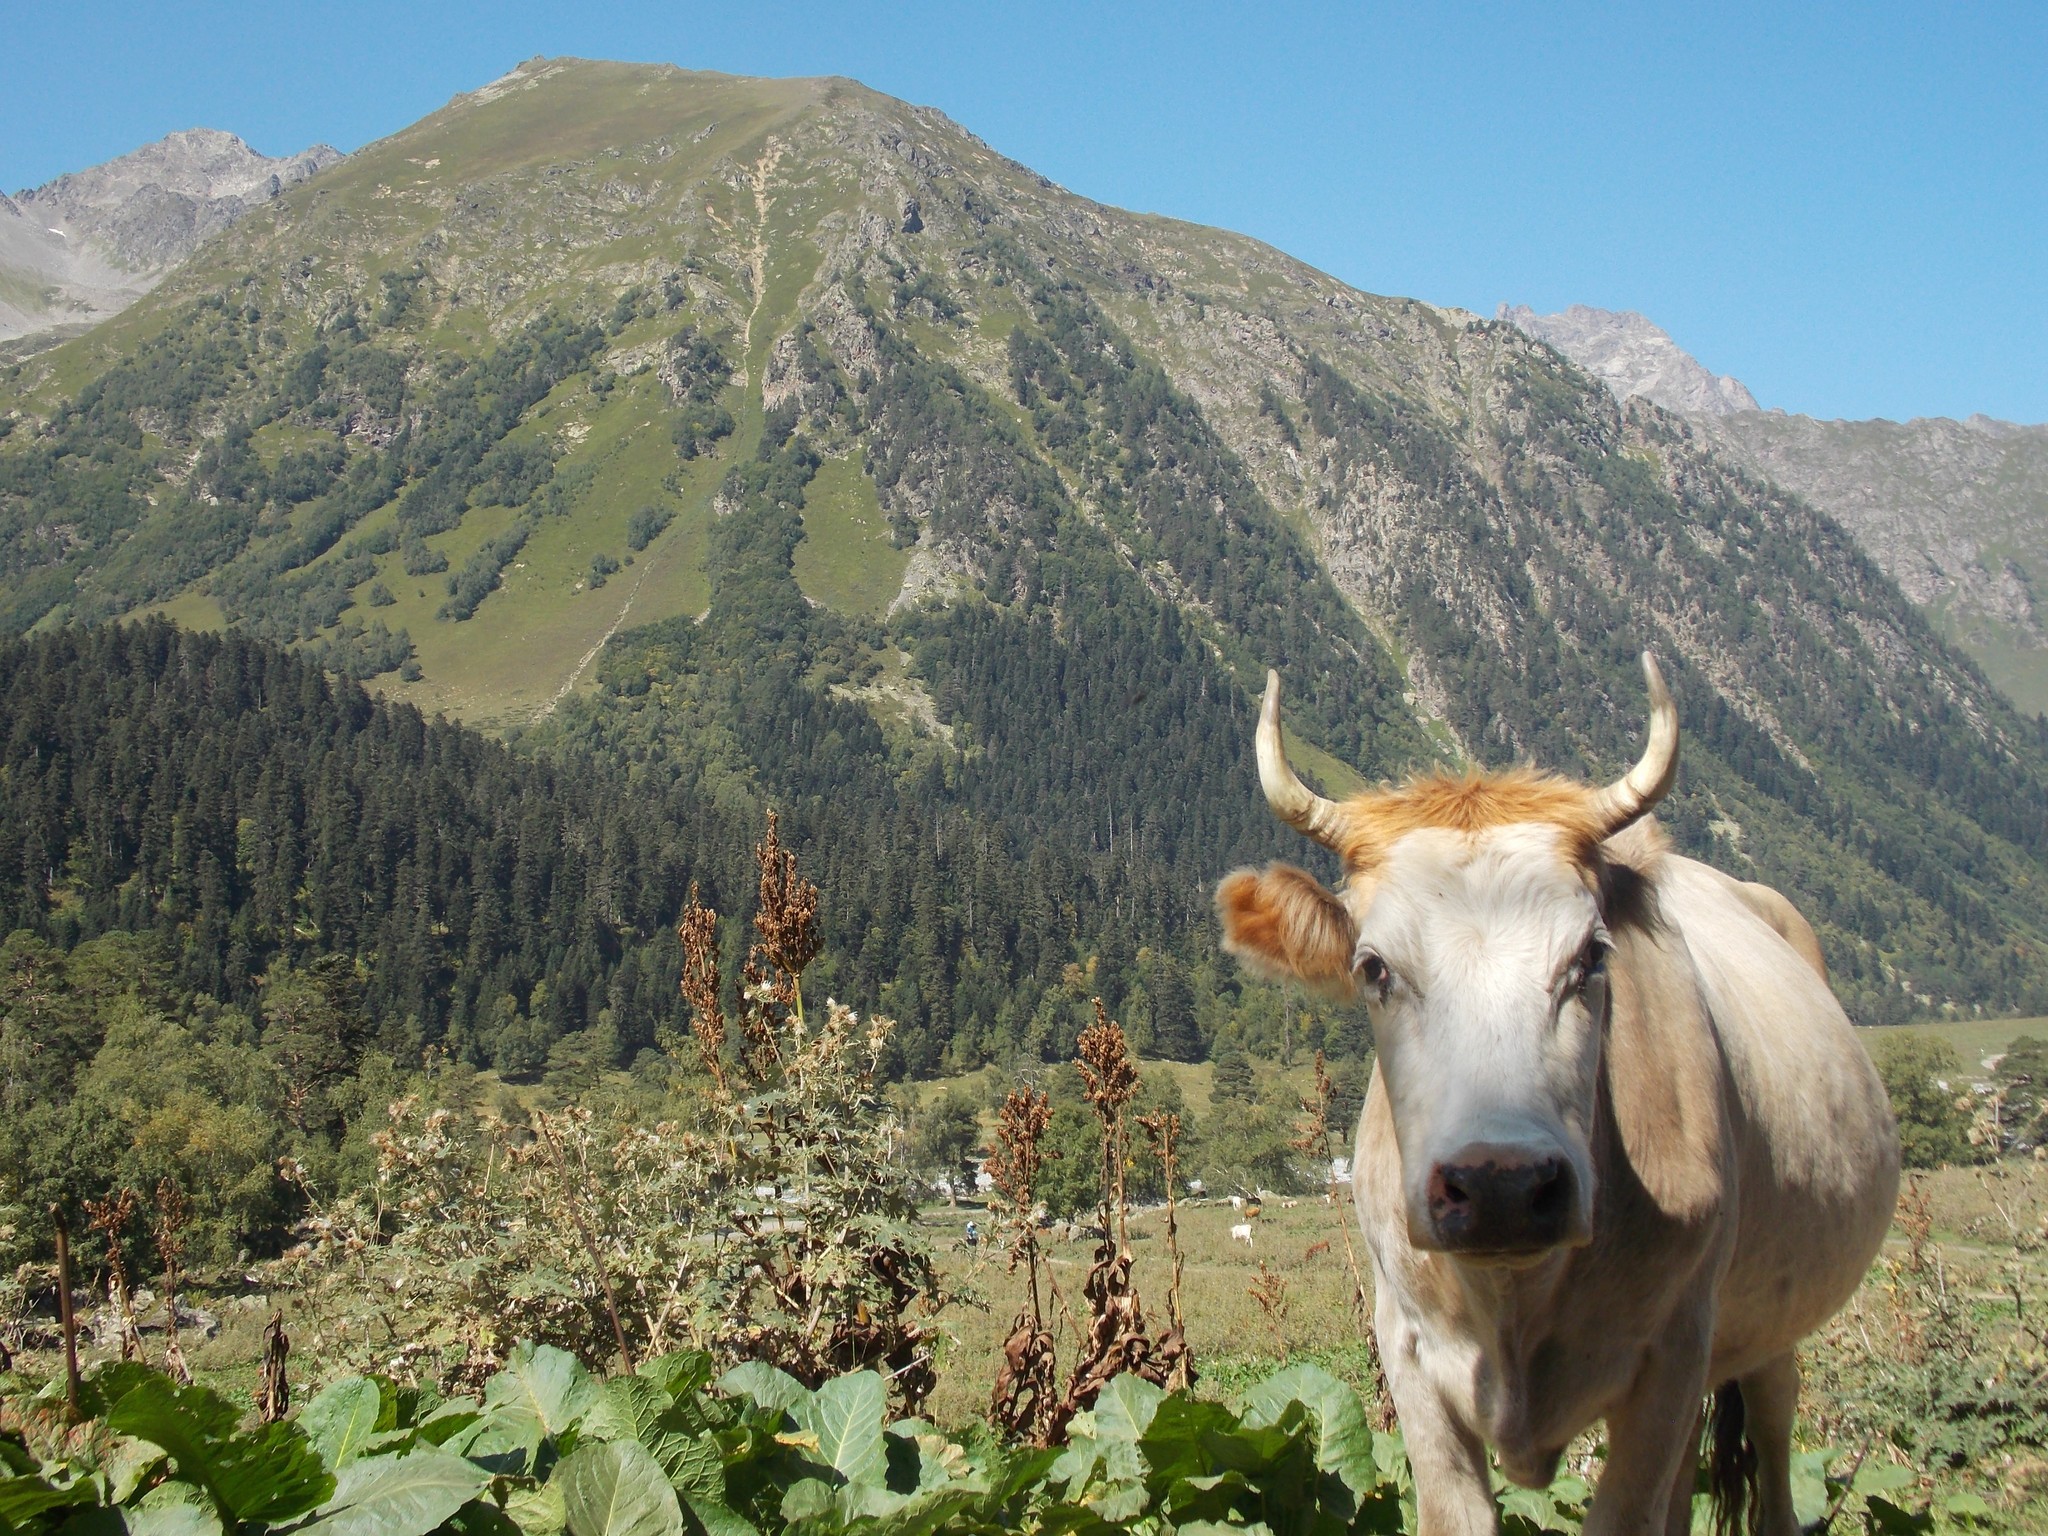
x=1491, y=1199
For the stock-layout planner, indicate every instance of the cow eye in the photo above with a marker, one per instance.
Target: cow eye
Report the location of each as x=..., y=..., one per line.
x=1590, y=962
x=1372, y=970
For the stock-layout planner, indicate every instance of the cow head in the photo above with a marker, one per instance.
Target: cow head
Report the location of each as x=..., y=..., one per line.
x=1471, y=917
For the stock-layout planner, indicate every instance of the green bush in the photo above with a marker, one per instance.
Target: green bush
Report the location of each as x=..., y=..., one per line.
x=1929, y=1099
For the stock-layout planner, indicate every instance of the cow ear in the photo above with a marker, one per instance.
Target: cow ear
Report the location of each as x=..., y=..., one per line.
x=1284, y=925
x=1664, y=1075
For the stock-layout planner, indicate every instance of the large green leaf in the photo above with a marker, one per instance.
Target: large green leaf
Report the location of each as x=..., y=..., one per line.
x=397, y=1495
x=640, y=1408
x=342, y=1419
x=616, y=1488
x=270, y=1474
x=1344, y=1436
x=681, y=1371
x=107, y=1384
x=537, y=1511
x=1125, y=1408
x=171, y=1517
x=625, y=1409
x=716, y=1519
x=846, y=1414
x=549, y=1383
x=506, y=1439
x=765, y=1384
x=693, y=1463
x=23, y=1498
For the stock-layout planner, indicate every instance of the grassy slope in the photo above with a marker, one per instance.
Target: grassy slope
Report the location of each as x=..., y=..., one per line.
x=846, y=560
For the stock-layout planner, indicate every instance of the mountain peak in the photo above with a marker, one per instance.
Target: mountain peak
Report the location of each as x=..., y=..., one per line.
x=149, y=208
x=89, y=243
x=1633, y=355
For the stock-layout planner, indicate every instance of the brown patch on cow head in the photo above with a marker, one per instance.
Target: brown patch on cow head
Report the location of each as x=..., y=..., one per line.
x=1283, y=924
x=1372, y=822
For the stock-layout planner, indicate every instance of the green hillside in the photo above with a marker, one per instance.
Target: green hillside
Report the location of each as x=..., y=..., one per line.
x=778, y=442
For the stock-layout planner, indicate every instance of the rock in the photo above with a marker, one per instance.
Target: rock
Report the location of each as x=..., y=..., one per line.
x=91, y=242
x=1632, y=356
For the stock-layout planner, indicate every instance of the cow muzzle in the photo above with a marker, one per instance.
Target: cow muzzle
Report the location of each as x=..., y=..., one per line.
x=1494, y=1201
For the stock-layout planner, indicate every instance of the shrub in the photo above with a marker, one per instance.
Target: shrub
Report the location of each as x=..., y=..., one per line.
x=1923, y=1078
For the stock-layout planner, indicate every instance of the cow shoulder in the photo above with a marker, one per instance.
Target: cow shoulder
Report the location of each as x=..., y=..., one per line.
x=1663, y=1064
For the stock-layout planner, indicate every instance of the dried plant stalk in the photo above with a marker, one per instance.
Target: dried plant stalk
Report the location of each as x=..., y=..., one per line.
x=273, y=1389
x=1114, y=1340
x=110, y=1219
x=1313, y=1135
x=168, y=1229
x=1027, y=1379
x=1269, y=1290
x=1162, y=1132
x=698, y=932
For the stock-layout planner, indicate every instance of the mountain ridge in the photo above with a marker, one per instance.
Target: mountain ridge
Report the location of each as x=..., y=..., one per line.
x=1956, y=511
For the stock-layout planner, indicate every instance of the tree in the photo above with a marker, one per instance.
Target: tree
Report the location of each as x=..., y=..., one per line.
x=1923, y=1078
x=1174, y=1034
x=947, y=1134
x=2023, y=1079
x=1233, y=1083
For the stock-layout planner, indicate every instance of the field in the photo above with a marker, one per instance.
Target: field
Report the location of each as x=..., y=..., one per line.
x=1974, y=1040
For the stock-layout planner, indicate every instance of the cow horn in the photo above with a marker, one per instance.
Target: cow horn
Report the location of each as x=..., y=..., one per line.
x=1292, y=801
x=1636, y=791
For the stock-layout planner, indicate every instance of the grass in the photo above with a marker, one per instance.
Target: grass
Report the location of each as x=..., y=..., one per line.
x=528, y=638
x=846, y=560
x=1232, y=1335
x=191, y=609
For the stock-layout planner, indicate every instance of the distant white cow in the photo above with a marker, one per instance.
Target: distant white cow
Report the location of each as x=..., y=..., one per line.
x=1242, y=1231
x=1237, y=1202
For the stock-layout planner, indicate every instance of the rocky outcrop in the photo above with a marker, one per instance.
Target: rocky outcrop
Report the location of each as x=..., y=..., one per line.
x=87, y=245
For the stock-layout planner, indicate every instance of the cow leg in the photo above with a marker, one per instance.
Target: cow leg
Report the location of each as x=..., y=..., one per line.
x=1770, y=1398
x=1651, y=1435
x=1678, y=1512
x=1453, y=1493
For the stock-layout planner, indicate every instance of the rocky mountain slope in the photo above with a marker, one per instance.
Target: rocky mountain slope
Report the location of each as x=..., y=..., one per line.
x=786, y=443
x=1634, y=357
x=90, y=243
x=1955, y=511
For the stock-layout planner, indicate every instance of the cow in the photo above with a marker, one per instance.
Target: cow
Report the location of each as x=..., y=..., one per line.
x=1242, y=1232
x=1620, y=1151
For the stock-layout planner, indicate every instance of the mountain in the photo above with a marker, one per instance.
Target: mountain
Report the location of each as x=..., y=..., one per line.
x=1633, y=357
x=90, y=243
x=780, y=443
x=1955, y=511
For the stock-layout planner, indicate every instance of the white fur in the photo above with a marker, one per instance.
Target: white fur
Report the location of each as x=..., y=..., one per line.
x=1475, y=1041
x=1242, y=1231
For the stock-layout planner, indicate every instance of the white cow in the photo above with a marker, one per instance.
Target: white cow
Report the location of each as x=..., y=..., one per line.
x=1620, y=1148
x=1242, y=1232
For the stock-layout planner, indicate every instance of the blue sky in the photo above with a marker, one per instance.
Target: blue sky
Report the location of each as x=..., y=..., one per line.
x=1844, y=206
